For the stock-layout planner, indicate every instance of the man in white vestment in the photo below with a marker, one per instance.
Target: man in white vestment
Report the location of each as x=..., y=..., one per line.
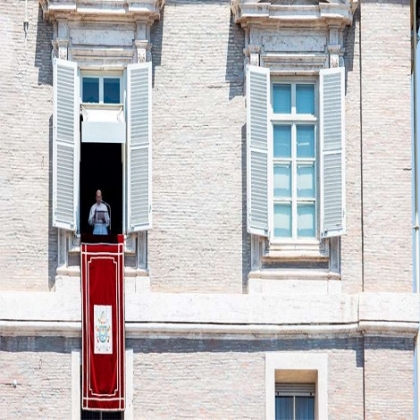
x=98, y=216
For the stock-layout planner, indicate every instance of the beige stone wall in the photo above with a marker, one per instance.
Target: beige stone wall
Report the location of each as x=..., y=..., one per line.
x=28, y=245
x=198, y=242
x=386, y=134
x=42, y=369
x=389, y=378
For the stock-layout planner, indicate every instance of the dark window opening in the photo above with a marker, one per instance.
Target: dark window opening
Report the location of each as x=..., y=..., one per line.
x=101, y=415
x=101, y=169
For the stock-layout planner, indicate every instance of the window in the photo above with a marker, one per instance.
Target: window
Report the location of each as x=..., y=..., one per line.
x=101, y=415
x=101, y=89
x=295, y=156
x=296, y=385
x=295, y=401
x=294, y=161
x=132, y=159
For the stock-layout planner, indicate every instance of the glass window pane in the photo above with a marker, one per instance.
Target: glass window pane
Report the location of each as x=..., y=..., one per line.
x=282, y=181
x=305, y=99
x=111, y=91
x=284, y=408
x=90, y=89
x=305, y=408
x=282, y=99
x=282, y=141
x=306, y=220
x=306, y=181
x=305, y=141
x=283, y=220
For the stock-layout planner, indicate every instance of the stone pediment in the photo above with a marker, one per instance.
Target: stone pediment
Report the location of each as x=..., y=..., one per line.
x=292, y=13
x=102, y=10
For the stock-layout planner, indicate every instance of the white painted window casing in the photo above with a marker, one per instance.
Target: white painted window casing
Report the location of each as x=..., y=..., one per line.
x=297, y=361
x=332, y=144
x=331, y=154
x=66, y=145
x=139, y=147
x=258, y=132
x=294, y=121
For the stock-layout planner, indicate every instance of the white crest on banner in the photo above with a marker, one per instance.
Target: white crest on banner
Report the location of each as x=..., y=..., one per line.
x=103, y=329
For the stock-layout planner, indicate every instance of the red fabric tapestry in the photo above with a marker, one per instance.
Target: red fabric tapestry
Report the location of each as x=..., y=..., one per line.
x=103, y=333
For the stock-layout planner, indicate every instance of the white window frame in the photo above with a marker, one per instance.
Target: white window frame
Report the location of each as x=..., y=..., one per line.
x=69, y=239
x=275, y=361
x=290, y=392
x=101, y=75
x=293, y=119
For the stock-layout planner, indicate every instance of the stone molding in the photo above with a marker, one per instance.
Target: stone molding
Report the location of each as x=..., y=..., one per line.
x=101, y=34
x=102, y=10
x=239, y=316
x=303, y=14
x=294, y=38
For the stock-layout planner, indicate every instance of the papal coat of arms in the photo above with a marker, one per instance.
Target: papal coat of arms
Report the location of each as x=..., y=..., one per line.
x=103, y=329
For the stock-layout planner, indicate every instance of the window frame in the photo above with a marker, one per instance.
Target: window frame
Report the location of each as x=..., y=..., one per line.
x=297, y=361
x=102, y=75
x=293, y=119
x=295, y=394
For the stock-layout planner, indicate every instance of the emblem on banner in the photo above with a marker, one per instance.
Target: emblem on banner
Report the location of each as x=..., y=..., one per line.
x=103, y=329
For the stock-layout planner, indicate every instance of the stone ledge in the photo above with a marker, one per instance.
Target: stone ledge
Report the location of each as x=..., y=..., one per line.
x=380, y=313
x=102, y=9
x=331, y=13
x=203, y=331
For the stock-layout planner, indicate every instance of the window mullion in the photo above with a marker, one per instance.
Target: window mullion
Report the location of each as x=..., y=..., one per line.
x=101, y=90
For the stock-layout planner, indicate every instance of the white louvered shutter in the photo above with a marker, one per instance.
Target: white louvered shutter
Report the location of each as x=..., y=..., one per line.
x=66, y=122
x=139, y=143
x=332, y=144
x=258, y=98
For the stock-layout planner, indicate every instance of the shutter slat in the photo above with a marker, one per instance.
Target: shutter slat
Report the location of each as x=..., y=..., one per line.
x=258, y=88
x=65, y=145
x=139, y=92
x=332, y=152
x=295, y=389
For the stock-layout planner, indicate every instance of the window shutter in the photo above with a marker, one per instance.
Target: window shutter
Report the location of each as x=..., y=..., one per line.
x=258, y=97
x=139, y=146
x=332, y=152
x=66, y=122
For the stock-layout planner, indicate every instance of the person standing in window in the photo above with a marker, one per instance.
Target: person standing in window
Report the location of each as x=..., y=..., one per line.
x=98, y=216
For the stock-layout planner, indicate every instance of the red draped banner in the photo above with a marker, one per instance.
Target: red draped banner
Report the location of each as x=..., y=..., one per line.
x=103, y=338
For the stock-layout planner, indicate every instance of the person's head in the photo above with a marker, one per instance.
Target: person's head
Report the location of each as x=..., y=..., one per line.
x=98, y=197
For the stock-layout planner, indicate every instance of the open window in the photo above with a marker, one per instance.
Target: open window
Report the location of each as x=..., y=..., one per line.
x=296, y=185
x=102, y=140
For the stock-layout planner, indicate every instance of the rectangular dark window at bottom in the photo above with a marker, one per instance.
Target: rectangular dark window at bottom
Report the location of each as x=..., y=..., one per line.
x=101, y=415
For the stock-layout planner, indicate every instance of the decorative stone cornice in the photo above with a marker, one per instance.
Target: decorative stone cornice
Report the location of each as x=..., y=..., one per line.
x=294, y=13
x=226, y=315
x=102, y=10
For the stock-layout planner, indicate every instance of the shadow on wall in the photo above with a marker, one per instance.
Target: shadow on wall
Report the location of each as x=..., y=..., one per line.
x=44, y=36
x=246, y=238
x=156, y=38
x=235, y=59
x=52, y=232
x=43, y=62
x=349, y=43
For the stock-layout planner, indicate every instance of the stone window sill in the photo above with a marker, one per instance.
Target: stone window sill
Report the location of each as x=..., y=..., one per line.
x=313, y=250
x=294, y=274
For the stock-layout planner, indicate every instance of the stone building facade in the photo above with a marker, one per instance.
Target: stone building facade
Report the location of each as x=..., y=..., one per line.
x=258, y=265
